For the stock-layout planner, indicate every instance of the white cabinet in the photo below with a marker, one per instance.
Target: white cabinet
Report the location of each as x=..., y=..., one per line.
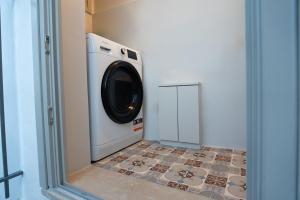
x=179, y=113
x=168, y=113
x=188, y=114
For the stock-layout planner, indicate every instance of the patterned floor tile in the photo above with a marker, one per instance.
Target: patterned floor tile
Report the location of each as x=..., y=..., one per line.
x=178, y=186
x=138, y=164
x=178, y=152
x=217, y=173
x=194, y=163
x=160, y=168
x=205, y=156
x=237, y=186
x=239, y=161
x=150, y=155
x=216, y=180
x=119, y=159
x=225, y=158
x=186, y=174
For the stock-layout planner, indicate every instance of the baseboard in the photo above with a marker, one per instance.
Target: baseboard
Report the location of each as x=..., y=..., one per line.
x=180, y=144
x=223, y=147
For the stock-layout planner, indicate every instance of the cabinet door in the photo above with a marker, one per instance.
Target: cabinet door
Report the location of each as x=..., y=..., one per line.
x=168, y=127
x=188, y=114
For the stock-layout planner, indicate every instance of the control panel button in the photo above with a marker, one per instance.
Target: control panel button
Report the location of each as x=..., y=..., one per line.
x=123, y=51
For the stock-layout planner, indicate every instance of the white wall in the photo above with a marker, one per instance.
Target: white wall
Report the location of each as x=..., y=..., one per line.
x=103, y=5
x=202, y=40
x=76, y=116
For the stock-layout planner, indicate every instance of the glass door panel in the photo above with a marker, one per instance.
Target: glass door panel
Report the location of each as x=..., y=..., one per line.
x=10, y=173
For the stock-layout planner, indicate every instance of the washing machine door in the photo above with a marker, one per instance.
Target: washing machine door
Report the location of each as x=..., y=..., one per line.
x=122, y=92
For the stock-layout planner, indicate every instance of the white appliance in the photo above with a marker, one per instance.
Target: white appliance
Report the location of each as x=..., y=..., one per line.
x=115, y=96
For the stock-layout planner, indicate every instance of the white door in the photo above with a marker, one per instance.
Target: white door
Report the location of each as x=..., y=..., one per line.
x=188, y=114
x=168, y=113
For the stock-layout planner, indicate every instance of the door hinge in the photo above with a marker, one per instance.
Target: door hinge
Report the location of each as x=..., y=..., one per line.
x=47, y=44
x=50, y=116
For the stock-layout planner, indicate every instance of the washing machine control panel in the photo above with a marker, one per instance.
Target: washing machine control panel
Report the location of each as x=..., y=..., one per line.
x=131, y=54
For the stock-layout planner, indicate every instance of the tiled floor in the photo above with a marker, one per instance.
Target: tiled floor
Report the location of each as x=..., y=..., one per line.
x=218, y=174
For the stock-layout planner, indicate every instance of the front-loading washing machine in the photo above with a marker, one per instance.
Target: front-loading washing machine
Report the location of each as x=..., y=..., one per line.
x=115, y=96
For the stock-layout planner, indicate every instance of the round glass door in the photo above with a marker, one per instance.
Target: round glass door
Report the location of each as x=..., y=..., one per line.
x=122, y=92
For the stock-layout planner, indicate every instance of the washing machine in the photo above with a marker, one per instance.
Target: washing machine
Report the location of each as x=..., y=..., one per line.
x=115, y=96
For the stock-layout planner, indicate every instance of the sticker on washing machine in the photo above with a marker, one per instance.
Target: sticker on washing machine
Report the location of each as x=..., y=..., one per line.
x=138, y=125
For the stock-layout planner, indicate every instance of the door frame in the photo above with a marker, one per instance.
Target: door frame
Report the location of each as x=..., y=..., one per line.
x=298, y=97
x=254, y=132
x=48, y=90
x=49, y=107
x=258, y=16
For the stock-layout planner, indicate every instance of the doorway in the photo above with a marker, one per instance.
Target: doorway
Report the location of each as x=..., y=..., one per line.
x=252, y=169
